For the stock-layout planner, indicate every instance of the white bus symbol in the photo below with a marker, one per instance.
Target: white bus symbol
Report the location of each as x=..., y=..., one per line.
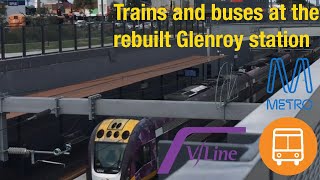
x=287, y=145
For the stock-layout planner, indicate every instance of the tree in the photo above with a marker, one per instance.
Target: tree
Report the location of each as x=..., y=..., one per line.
x=185, y=3
x=133, y=3
x=42, y=11
x=83, y=4
x=3, y=12
x=113, y=12
x=288, y=3
x=30, y=10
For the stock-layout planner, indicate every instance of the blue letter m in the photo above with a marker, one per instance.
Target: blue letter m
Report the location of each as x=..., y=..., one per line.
x=302, y=64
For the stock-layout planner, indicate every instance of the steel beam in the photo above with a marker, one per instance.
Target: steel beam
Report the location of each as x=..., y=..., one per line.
x=144, y=108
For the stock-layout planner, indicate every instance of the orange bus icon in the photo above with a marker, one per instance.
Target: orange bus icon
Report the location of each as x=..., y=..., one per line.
x=287, y=145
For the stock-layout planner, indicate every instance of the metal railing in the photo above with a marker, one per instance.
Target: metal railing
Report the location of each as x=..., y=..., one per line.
x=46, y=39
x=39, y=40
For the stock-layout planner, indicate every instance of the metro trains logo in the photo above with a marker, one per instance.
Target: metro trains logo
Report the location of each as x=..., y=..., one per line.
x=180, y=137
x=302, y=65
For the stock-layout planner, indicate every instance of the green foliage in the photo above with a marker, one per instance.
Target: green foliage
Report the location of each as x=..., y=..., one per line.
x=14, y=35
x=30, y=10
x=3, y=13
x=40, y=20
x=186, y=3
x=83, y=4
x=42, y=11
x=3, y=10
x=289, y=2
x=133, y=3
x=62, y=9
x=113, y=12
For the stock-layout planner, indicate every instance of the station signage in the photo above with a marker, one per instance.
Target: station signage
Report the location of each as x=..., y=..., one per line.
x=302, y=66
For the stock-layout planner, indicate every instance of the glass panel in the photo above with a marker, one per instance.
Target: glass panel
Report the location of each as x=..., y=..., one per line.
x=108, y=33
x=108, y=157
x=95, y=34
x=67, y=37
x=13, y=41
x=82, y=34
x=33, y=40
x=51, y=38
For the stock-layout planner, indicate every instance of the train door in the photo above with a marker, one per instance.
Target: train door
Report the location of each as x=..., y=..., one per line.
x=145, y=163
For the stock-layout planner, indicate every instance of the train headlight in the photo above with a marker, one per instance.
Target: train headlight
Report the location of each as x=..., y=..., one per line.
x=119, y=125
x=100, y=133
x=114, y=125
x=116, y=134
x=125, y=135
x=109, y=133
x=296, y=155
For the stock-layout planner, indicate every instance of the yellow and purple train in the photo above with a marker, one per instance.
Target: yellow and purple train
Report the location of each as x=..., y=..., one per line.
x=114, y=156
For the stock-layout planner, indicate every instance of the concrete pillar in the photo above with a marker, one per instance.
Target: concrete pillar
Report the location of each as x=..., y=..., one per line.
x=3, y=138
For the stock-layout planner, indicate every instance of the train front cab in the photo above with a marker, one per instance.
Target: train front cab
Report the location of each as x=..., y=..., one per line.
x=122, y=149
x=107, y=146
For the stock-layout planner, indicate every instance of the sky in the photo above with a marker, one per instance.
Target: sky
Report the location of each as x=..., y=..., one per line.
x=313, y=1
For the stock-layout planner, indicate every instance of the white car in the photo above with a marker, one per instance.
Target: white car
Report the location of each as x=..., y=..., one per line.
x=138, y=26
x=201, y=24
x=118, y=24
x=147, y=25
x=129, y=26
x=81, y=23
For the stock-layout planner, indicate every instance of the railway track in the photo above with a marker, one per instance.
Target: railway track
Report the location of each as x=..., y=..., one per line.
x=75, y=173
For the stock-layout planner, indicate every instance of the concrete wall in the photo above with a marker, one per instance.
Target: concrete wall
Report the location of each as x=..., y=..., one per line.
x=20, y=76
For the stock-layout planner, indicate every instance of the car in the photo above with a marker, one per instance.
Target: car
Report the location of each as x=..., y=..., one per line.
x=94, y=24
x=139, y=26
x=201, y=24
x=81, y=23
x=118, y=24
x=149, y=24
x=146, y=25
x=129, y=25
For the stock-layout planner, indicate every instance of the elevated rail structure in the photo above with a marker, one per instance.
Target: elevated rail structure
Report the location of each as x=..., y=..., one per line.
x=93, y=106
x=254, y=117
x=250, y=166
x=108, y=83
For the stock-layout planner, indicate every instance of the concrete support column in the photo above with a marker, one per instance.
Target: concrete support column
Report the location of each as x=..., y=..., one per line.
x=3, y=137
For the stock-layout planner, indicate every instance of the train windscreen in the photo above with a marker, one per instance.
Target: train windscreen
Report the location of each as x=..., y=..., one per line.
x=108, y=157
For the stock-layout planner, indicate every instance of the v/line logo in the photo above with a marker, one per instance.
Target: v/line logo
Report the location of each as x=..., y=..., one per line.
x=180, y=137
x=302, y=66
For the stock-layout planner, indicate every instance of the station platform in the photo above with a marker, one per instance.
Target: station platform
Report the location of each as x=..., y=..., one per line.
x=108, y=83
x=82, y=177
